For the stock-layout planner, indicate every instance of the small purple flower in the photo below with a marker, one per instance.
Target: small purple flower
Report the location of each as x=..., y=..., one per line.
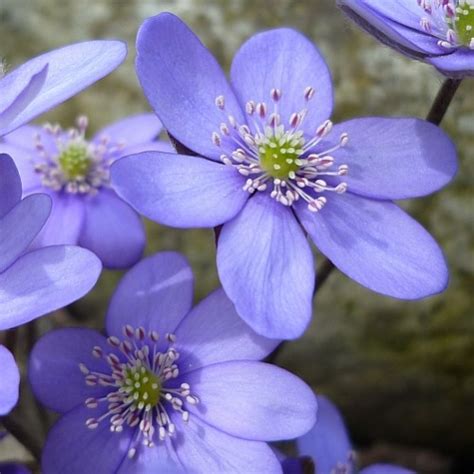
x=329, y=446
x=53, y=77
x=440, y=32
x=32, y=283
x=272, y=168
x=74, y=172
x=171, y=388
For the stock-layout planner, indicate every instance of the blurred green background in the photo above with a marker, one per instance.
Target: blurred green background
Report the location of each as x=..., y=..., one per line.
x=401, y=372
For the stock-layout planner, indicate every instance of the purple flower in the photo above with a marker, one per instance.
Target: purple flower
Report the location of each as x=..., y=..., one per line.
x=329, y=446
x=74, y=172
x=171, y=388
x=440, y=32
x=273, y=168
x=32, y=283
x=51, y=78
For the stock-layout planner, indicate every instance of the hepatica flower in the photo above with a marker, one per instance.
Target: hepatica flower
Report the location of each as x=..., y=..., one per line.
x=32, y=283
x=170, y=388
x=272, y=168
x=440, y=32
x=329, y=446
x=74, y=172
x=53, y=77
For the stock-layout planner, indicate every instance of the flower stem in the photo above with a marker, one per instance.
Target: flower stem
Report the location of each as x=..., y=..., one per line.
x=435, y=115
x=443, y=100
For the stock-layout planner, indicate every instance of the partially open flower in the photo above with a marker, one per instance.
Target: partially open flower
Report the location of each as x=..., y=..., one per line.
x=440, y=32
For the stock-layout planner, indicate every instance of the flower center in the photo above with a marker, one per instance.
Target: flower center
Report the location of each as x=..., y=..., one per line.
x=145, y=388
x=73, y=164
x=143, y=385
x=75, y=161
x=281, y=155
x=279, y=152
x=464, y=22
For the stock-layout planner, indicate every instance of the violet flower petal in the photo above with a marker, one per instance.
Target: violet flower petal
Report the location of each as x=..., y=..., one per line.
x=23, y=159
x=70, y=69
x=112, y=230
x=9, y=387
x=284, y=59
x=396, y=34
x=178, y=190
x=328, y=442
x=378, y=245
x=266, y=267
x=273, y=404
x=10, y=185
x=226, y=337
x=18, y=94
x=205, y=449
x=395, y=158
x=20, y=226
x=458, y=64
x=155, y=294
x=182, y=80
x=56, y=358
x=132, y=130
x=45, y=280
x=73, y=448
x=65, y=222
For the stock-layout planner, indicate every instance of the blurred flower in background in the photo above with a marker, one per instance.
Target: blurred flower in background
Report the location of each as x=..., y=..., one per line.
x=74, y=172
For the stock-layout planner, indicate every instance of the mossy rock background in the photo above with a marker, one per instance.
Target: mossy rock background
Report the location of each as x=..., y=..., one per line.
x=402, y=372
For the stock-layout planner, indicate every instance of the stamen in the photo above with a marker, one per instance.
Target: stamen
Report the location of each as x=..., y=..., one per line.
x=79, y=166
x=140, y=394
x=281, y=158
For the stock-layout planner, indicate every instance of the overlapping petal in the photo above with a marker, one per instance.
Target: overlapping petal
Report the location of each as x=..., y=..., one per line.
x=284, y=59
x=20, y=226
x=181, y=80
x=458, y=64
x=112, y=230
x=225, y=337
x=24, y=160
x=273, y=404
x=155, y=294
x=56, y=358
x=266, y=268
x=378, y=245
x=45, y=280
x=9, y=385
x=395, y=158
x=65, y=222
x=179, y=190
x=10, y=184
x=328, y=442
x=53, y=77
x=403, y=35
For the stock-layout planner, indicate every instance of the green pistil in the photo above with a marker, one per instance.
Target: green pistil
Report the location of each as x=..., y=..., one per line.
x=279, y=156
x=75, y=161
x=464, y=22
x=143, y=385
